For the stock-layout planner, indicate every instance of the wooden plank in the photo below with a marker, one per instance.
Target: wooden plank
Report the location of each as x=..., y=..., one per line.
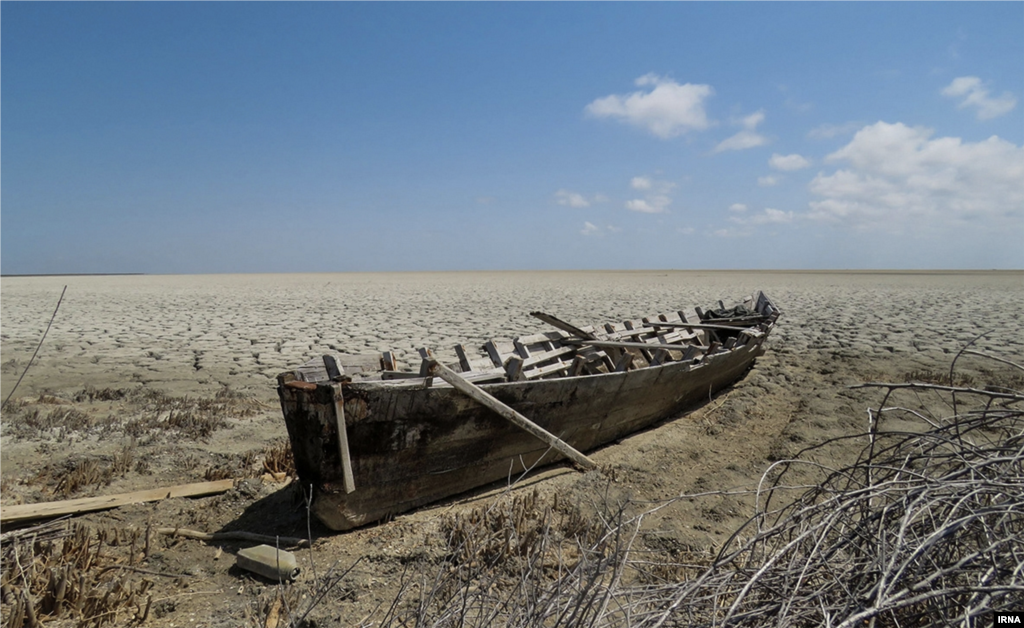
x=499, y=350
x=413, y=380
x=335, y=372
x=637, y=327
x=540, y=358
x=481, y=396
x=624, y=362
x=727, y=327
x=388, y=361
x=578, y=364
x=521, y=349
x=464, y=362
x=547, y=336
x=425, y=354
x=547, y=370
x=560, y=324
x=626, y=345
x=629, y=333
x=389, y=375
x=27, y=512
x=312, y=371
x=514, y=368
x=234, y=535
x=469, y=362
x=347, y=480
x=358, y=363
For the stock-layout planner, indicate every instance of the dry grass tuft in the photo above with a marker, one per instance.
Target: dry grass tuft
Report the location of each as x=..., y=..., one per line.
x=278, y=458
x=68, y=571
x=77, y=474
x=141, y=412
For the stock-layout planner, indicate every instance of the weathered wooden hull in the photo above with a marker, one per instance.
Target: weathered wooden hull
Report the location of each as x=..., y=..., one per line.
x=412, y=444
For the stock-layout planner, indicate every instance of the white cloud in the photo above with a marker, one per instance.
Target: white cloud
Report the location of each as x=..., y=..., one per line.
x=772, y=216
x=667, y=110
x=737, y=207
x=768, y=216
x=750, y=122
x=741, y=141
x=685, y=230
x=590, y=229
x=767, y=182
x=788, y=163
x=571, y=199
x=975, y=94
x=650, y=205
x=828, y=131
x=641, y=183
x=656, y=200
x=748, y=137
x=898, y=177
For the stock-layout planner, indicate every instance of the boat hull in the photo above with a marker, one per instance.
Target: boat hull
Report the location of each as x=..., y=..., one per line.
x=414, y=444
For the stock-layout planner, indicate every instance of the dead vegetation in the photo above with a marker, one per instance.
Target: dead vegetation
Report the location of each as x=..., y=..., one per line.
x=68, y=477
x=67, y=570
x=138, y=412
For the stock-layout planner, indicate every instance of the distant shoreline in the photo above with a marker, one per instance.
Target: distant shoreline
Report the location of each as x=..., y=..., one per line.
x=74, y=275
x=800, y=271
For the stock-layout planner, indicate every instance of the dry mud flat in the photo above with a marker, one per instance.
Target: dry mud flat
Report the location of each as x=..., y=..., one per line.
x=152, y=381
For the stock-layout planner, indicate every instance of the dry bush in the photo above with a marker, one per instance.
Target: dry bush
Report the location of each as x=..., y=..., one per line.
x=90, y=394
x=28, y=420
x=278, y=458
x=65, y=570
x=16, y=404
x=191, y=417
x=275, y=459
x=142, y=412
x=73, y=475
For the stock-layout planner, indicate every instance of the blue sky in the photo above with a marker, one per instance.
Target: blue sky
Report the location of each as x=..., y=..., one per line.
x=288, y=137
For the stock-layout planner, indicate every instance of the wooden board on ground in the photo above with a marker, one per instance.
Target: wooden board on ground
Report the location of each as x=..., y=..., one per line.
x=28, y=512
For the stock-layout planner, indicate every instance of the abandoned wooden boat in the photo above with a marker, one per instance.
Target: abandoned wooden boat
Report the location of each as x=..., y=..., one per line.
x=373, y=440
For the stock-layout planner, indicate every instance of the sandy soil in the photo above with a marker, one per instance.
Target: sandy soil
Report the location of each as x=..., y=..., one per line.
x=127, y=353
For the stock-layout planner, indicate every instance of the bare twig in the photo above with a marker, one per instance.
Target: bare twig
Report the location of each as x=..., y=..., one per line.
x=36, y=352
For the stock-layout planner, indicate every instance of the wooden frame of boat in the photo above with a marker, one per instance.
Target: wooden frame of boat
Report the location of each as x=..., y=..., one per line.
x=375, y=441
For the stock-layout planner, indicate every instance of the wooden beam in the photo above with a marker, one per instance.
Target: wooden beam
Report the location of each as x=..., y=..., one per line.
x=513, y=369
x=463, y=358
x=481, y=396
x=624, y=362
x=347, y=480
x=697, y=326
x=335, y=372
x=234, y=535
x=564, y=326
x=651, y=346
x=27, y=512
